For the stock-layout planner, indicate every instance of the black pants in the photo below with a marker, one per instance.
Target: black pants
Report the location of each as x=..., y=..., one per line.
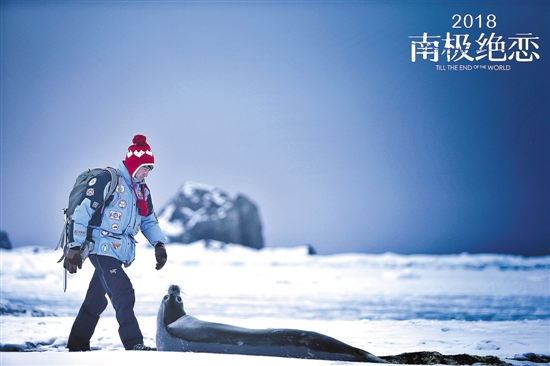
x=109, y=278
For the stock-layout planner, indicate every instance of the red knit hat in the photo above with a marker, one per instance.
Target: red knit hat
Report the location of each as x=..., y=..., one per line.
x=138, y=155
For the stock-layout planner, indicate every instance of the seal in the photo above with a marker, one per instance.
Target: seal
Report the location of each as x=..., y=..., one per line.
x=177, y=331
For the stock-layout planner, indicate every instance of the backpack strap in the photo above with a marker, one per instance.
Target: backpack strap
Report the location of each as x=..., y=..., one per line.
x=62, y=239
x=114, y=179
x=95, y=220
x=112, y=187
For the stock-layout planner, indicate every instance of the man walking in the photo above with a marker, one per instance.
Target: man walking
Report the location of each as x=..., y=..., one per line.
x=108, y=233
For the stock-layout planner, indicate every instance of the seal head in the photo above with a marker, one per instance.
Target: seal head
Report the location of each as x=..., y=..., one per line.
x=173, y=305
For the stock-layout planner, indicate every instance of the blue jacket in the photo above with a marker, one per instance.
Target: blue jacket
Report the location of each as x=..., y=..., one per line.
x=113, y=229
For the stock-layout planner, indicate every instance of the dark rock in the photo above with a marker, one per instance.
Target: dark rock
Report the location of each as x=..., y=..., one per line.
x=14, y=347
x=436, y=358
x=7, y=308
x=533, y=358
x=202, y=212
x=4, y=240
x=30, y=346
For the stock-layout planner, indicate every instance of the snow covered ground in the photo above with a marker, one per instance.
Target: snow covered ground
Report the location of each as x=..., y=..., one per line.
x=386, y=304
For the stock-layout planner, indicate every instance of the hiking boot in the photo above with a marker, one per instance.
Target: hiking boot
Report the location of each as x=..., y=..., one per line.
x=78, y=347
x=142, y=347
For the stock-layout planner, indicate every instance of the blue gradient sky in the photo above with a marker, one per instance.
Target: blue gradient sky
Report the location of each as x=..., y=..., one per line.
x=314, y=110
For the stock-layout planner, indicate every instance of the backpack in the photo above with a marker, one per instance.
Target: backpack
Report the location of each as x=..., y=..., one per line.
x=75, y=198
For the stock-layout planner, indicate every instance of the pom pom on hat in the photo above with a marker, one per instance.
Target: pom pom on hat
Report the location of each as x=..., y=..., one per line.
x=140, y=140
x=138, y=155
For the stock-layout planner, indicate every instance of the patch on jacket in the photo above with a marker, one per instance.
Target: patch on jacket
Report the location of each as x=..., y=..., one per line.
x=115, y=215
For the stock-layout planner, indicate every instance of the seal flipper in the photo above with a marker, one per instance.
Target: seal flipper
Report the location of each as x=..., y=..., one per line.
x=370, y=357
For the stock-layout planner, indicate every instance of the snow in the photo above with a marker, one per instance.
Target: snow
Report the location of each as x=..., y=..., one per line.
x=170, y=228
x=386, y=304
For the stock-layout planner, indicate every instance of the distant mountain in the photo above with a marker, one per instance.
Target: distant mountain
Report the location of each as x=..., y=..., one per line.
x=4, y=240
x=202, y=212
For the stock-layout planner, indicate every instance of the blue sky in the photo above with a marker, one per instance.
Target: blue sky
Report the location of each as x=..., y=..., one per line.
x=314, y=110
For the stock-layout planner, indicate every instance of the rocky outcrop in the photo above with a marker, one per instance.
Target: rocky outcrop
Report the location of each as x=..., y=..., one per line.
x=7, y=308
x=4, y=240
x=436, y=358
x=532, y=357
x=202, y=212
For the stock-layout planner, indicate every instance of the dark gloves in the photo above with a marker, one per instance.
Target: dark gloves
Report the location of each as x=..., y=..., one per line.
x=160, y=255
x=72, y=260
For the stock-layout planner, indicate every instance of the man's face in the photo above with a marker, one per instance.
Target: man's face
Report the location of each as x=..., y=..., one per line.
x=143, y=172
